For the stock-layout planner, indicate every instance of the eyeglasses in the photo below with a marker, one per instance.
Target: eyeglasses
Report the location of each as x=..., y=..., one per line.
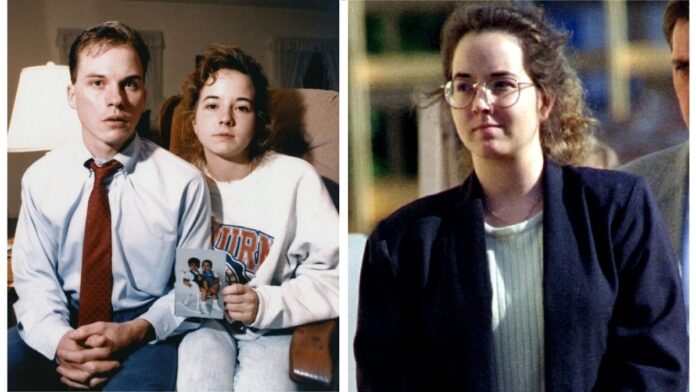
x=502, y=93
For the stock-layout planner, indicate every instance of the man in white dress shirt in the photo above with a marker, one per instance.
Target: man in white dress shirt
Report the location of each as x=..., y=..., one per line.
x=156, y=202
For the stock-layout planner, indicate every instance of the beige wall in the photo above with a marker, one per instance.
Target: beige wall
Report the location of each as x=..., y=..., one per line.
x=187, y=28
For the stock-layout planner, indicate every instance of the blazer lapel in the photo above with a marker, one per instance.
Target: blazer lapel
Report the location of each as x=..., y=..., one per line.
x=474, y=279
x=560, y=291
x=561, y=259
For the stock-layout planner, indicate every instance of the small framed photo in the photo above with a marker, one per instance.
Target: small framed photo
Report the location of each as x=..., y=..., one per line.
x=200, y=277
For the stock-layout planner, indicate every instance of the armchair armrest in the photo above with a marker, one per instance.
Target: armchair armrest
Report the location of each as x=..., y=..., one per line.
x=311, y=350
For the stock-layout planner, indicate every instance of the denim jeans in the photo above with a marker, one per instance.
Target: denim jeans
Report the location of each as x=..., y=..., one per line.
x=148, y=367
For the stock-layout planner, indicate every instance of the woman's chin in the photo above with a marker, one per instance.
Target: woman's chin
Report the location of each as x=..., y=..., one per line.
x=492, y=151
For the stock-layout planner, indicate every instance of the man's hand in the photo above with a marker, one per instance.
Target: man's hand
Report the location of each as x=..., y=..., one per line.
x=81, y=366
x=87, y=354
x=115, y=336
x=241, y=303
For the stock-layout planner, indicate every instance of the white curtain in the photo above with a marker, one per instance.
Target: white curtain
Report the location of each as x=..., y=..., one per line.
x=155, y=44
x=294, y=55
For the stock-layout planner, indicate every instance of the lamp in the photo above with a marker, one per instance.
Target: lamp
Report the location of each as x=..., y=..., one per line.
x=41, y=117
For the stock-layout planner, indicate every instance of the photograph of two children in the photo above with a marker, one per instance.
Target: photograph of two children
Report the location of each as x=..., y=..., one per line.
x=200, y=278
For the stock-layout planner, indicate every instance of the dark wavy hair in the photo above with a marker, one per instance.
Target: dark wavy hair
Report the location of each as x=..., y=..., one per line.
x=107, y=34
x=564, y=134
x=216, y=58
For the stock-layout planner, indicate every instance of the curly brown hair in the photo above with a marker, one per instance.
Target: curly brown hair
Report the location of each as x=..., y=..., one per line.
x=220, y=57
x=564, y=134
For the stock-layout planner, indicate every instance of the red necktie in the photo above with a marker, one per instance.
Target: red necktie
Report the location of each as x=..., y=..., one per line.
x=96, y=279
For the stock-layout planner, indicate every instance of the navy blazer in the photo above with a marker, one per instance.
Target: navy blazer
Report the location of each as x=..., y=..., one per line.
x=613, y=310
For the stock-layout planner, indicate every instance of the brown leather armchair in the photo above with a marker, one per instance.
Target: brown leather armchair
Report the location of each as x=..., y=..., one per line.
x=305, y=124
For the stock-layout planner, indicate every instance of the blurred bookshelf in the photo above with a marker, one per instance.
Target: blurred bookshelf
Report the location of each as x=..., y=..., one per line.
x=394, y=55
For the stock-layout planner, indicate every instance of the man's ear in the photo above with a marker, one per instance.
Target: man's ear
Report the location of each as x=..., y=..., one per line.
x=71, y=96
x=546, y=103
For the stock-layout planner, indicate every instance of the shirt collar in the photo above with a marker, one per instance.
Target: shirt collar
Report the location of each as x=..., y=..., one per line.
x=127, y=156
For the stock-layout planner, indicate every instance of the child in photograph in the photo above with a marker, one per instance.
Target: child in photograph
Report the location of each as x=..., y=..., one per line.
x=194, y=279
x=273, y=217
x=212, y=284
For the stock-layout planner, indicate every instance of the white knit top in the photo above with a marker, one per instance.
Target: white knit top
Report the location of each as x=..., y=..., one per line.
x=515, y=258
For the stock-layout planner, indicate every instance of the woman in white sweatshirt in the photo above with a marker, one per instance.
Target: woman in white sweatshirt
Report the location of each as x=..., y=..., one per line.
x=273, y=217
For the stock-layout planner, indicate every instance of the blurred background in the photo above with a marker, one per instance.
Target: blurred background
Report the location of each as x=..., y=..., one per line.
x=400, y=150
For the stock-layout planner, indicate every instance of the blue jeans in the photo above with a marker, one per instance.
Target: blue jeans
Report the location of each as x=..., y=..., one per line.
x=150, y=367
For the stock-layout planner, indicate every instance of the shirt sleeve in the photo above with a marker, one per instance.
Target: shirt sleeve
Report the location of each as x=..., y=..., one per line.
x=194, y=232
x=42, y=307
x=312, y=294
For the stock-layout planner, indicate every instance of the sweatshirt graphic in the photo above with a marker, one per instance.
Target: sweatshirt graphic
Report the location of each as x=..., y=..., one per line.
x=246, y=250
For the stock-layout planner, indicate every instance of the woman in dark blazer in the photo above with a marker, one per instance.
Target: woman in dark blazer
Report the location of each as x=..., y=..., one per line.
x=533, y=274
